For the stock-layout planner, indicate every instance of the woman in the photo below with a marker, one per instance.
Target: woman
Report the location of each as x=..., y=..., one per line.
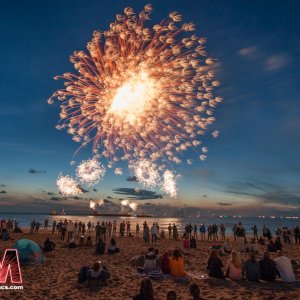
x=165, y=263
x=112, y=249
x=150, y=261
x=98, y=272
x=214, y=265
x=233, y=267
x=146, y=234
x=146, y=291
x=177, y=264
x=195, y=291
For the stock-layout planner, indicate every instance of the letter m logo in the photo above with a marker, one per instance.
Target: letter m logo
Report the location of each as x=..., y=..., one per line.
x=10, y=266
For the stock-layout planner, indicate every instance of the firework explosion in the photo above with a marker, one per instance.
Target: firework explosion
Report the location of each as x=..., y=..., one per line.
x=90, y=172
x=93, y=205
x=68, y=186
x=140, y=94
x=146, y=173
x=133, y=206
x=169, y=183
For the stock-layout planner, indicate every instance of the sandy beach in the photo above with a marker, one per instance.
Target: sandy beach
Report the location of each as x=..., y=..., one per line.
x=56, y=278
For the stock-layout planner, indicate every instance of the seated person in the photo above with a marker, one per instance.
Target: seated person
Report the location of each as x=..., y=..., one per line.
x=100, y=247
x=214, y=265
x=112, y=249
x=83, y=274
x=150, y=261
x=254, y=246
x=233, y=267
x=227, y=247
x=195, y=291
x=177, y=264
x=268, y=271
x=193, y=243
x=98, y=272
x=138, y=260
x=271, y=247
x=165, y=263
x=171, y=295
x=284, y=267
x=89, y=242
x=49, y=245
x=72, y=244
x=278, y=244
x=146, y=291
x=252, y=268
x=81, y=242
x=185, y=243
x=261, y=241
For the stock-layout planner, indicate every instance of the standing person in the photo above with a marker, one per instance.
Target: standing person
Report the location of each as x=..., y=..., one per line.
x=195, y=232
x=240, y=234
x=222, y=229
x=114, y=228
x=175, y=232
x=234, y=231
x=70, y=230
x=63, y=231
x=79, y=227
x=53, y=226
x=104, y=231
x=109, y=227
x=137, y=229
x=146, y=234
x=89, y=225
x=255, y=231
x=46, y=223
x=170, y=231
x=32, y=226
x=75, y=227
x=153, y=233
x=202, y=230
x=128, y=228
x=98, y=231
x=37, y=227
x=209, y=233
x=83, y=228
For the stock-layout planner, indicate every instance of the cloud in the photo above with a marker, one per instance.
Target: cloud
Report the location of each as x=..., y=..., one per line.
x=83, y=190
x=33, y=171
x=56, y=199
x=137, y=194
x=2, y=185
x=95, y=190
x=3, y=192
x=249, y=52
x=131, y=178
x=276, y=62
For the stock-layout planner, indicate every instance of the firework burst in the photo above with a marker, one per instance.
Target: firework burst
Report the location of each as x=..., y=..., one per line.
x=146, y=173
x=169, y=183
x=90, y=172
x=68, y=186
x=140, y=92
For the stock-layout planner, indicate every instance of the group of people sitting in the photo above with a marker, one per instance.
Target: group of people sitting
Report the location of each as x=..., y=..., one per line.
x=97, y=274
x=170, y=263
x=266, y=269
x=147, y=293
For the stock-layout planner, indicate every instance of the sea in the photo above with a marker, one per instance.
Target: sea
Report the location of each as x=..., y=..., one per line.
x=24, y=220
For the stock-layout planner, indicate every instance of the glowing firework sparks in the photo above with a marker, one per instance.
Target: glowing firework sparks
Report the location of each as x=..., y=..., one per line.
x=92, y=205
x=101, y=202
x=125, y=202
x=118, y=171
x=68, y=186
x=140, y=93
x=146, y=173
x=169, y=183
x=133, y=206
x=90, y=172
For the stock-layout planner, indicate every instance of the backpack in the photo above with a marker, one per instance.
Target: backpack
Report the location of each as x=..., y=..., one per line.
x=82, y=276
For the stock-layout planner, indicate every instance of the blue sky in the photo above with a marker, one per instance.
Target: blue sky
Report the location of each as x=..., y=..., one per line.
x=254, y=164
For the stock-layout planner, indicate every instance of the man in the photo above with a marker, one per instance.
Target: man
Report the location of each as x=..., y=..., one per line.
x=170, y=231
x=268, y=268
x=153, y=233
x=202, y=232
x=46, y=222
x=255, y=236
x=32, y=226
x=70, y=230
x=98, y=230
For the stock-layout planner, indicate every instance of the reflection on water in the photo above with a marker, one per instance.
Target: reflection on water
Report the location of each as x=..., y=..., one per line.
x=25, y=219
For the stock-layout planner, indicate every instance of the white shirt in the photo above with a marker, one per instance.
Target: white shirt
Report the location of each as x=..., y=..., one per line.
x=285, y=269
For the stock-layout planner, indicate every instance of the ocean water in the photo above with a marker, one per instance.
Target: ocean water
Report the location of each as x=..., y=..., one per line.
x=24, y=220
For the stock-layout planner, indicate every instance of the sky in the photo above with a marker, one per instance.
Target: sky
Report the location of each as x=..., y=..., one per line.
x=254, y=165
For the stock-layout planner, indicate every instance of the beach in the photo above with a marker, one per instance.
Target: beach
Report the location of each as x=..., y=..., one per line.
x=56, y=277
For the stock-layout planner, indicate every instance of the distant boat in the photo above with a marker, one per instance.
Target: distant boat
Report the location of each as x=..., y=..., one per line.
x=54, y=213
x=144, y=216
x=95, y=213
